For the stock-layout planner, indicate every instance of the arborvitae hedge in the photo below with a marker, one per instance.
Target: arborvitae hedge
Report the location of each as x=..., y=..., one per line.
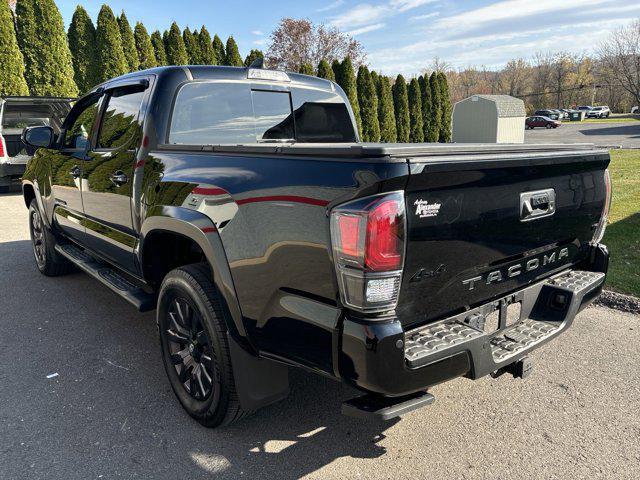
x=401, y=106
x=208, y=54
x=368, y=103
x=254, y=54
x=347, y=80
x=386, y=114
x=445, y=99
x=128, y=43
x=192, y=45
x=416, y=135
x=82, y=44
x=306, y=69
x=428, y=126
x=232, y=58
x=336, y=66
x=146, y=54
x=110, y=56
x=158, y=48
x=218, y=48
x=174, y=46
x=12, y=80
x=325, y=70
x=43, y=41
x=436, y=103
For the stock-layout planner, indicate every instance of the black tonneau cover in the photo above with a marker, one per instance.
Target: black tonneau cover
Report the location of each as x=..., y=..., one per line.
x=387, y=150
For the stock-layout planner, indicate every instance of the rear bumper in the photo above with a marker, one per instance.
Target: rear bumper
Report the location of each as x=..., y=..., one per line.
x=383, y=358
x=12, y=170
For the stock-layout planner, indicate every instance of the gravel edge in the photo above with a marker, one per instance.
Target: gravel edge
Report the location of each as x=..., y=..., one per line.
x=618, y=301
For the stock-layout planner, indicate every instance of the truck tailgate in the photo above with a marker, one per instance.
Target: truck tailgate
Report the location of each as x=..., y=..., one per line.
x=482, y=226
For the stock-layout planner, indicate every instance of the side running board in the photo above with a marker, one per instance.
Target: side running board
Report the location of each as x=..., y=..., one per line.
x=385, y=408
x=132, y=293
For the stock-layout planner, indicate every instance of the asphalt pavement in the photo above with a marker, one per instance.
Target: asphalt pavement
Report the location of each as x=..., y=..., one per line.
x=83, y=395
x=623, y=134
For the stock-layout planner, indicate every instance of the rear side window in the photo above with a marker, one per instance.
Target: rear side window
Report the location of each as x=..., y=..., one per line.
x=233, y=113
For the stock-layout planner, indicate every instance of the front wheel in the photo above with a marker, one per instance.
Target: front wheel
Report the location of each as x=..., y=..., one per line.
x=549, y=125
x=195, y=349
x=43, y=242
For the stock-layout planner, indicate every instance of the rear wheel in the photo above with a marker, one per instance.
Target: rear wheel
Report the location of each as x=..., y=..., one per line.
x=194, y=345
x=49, y=262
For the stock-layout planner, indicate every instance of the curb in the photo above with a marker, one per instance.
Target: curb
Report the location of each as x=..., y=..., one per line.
x=618, y=301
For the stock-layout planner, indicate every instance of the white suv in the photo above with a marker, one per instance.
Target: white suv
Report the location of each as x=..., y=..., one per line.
x=599, y=112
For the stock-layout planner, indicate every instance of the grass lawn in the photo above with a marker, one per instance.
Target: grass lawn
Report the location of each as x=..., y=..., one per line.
x=623, y=233
x=614, y=119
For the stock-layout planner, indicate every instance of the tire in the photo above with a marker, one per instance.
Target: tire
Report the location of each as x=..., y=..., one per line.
x=43, y=242
x=549, y=125
x=194, y=346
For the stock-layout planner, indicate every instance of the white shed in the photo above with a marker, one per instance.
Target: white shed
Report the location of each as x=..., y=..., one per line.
x=489, y=119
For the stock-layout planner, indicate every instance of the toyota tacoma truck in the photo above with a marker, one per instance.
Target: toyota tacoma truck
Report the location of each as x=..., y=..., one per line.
x=240, y=205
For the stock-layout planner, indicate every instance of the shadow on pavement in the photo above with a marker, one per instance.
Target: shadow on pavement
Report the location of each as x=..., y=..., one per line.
x=110, y=411
x=630, y=131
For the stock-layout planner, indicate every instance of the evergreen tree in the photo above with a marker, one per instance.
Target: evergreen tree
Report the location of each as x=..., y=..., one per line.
x=401, y=106
x=109, y=53
x=445, y=106
x=232, y=58
x=12, y=80
x=43, y=41
x=208, y=54
x=336, y=66
x=146, y=54
x=306, y=69
x=430, y=134
x=158, y=48
x=218, y=49
x=253, y=56
x=128, y=43
x=436, y=106
x=386, y=114
x=325, y=70
x=192, y=45
x=82, y=44
x=347, y=80
x=368, y=103
x=174, y=46
x=416, y=133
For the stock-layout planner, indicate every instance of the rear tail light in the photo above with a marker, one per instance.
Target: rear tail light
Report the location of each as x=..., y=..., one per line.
x=368, y=240
x=602, y=225
x=3, y=148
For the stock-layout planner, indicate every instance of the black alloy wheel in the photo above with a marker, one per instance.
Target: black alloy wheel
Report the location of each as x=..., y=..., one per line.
x=190, y=349
x=38, y=238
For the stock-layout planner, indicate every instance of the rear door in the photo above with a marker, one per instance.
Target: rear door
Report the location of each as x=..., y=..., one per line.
x=107, y=175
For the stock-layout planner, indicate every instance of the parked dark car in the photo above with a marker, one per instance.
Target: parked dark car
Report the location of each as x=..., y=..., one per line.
x=16, y=113
x=540, y=121
x=552, y=114
x=239, y=204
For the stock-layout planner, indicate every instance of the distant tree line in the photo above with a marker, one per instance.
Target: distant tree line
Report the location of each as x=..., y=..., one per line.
x=38, y=57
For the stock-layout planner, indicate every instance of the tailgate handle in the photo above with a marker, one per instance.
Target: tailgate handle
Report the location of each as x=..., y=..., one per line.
x=538, y=204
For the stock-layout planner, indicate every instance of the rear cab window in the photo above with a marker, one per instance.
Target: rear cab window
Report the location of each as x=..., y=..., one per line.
x=216, y=113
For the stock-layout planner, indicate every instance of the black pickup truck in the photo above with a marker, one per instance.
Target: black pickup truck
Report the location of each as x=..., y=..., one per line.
x=239, y=203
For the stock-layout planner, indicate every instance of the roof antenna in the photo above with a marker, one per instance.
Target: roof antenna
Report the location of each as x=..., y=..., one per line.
x=257, y=63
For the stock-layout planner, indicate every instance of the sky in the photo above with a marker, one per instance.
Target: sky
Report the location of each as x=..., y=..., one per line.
x=399, y=36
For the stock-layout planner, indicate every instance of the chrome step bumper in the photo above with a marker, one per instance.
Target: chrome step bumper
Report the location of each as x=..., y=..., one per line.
x=547, y=308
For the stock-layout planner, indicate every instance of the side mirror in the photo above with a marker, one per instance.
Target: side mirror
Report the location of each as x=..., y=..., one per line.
x=38, y=136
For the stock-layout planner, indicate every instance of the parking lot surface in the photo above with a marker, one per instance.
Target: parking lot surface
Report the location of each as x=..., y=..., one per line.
x=624, y=134
x=110, y=413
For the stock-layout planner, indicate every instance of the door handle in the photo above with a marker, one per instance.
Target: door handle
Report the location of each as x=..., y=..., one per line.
x=118, y=178
x=75, y=172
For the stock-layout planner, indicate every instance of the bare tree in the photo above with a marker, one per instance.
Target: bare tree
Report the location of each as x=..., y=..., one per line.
x=620, y=57
x=514, y=77
x=295, y=42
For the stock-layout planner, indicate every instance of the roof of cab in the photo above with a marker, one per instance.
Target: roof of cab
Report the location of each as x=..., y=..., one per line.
x=215, y=72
